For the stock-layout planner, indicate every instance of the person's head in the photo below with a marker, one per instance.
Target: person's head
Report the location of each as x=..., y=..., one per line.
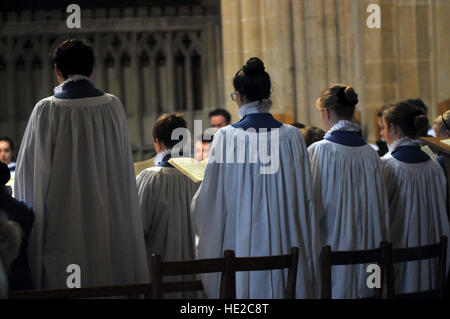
x=298, y=125
x=402, y=119
x=441, y=125
x=219, y=118
x=163, y=128
x=312, y=134
x=73, y=57
x=10, y=238
x=337, y=103
x=202, y=148
x=5, y=174
x=251, y=83
x=380, y=118
x=6, y=150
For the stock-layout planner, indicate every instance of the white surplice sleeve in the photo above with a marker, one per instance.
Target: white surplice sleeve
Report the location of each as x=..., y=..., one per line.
x=148, y=197
x=34, y=164
x=208, y=205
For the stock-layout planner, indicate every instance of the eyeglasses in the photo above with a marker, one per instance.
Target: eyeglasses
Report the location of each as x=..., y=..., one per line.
x=445, y=123
x=233, y=96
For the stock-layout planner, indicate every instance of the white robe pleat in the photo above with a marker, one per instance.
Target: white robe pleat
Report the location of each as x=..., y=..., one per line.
x=75, y=168
x=418, y=217
x=254, y=214
x=165, y=197
x=351, y=200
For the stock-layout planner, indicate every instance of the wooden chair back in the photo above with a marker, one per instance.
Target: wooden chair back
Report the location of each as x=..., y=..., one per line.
x=161, y=269
x=331, y=258
x=289, y=261
x=414, y=254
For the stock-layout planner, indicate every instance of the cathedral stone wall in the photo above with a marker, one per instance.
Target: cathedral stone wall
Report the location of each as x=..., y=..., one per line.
x=309, y=45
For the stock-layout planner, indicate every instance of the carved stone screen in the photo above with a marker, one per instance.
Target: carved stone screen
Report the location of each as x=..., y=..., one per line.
x=157, y=58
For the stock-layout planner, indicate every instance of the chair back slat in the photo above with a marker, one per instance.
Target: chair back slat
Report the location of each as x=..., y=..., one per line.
x=356, y=257
x=416, y=253
x=84, y=293
x=190, y=267
x=263, y=263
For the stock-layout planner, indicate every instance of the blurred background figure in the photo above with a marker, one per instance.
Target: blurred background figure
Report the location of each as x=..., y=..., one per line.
x=441, y=125
x=441, y=128
x=22, y=214
x=202, y=147
x=381, y=143
x=6, y=154
x=312, y=134
x=9, y=249
x=219, y=118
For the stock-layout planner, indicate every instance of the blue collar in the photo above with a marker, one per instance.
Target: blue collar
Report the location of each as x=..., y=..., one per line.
x=258, y=121
x=78, y=90
x=165, y=161
x=347, y=138
x=410, y=154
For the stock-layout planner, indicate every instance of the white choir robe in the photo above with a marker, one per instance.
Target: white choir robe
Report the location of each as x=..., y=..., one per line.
x=351, y=201
x=418, y=217
x=239, y=208
x=76, y=169
x=165, y=197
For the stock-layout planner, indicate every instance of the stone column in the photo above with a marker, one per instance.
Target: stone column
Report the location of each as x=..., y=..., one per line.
x=309, y=45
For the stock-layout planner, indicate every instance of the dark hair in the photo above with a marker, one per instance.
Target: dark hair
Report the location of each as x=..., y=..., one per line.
x=298, y=125
x=411, y=120
x=221, y=112
x=340, y=98
x=10, y=142
x=165, y=125
x=5, y=174
x=312, y=134
x=419, y=103
x=73, y=57
x=253, y=81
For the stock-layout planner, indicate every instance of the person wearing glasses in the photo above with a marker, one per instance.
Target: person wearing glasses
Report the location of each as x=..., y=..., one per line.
x=349, y=192
x=253, y=206
x=416, y=187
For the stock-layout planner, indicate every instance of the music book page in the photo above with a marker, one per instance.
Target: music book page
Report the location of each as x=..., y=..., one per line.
x=447, y=141
x=190, y=167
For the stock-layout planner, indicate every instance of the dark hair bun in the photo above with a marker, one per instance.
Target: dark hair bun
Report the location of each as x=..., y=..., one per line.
x=420, y=122
x=350, y=95
x=254, y=67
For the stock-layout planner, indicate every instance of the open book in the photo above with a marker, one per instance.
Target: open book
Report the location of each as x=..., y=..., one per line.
x=446, y=141
x=190, y=167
